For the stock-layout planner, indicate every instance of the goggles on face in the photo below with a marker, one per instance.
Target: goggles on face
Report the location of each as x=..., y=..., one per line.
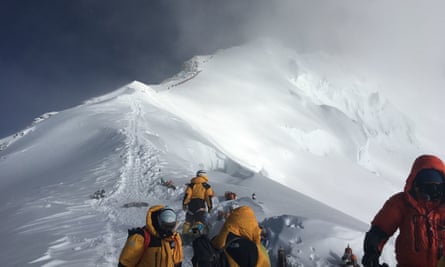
x=431, y=191
x=167, y=220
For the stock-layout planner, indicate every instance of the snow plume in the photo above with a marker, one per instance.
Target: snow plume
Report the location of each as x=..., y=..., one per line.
x=398, y=43
x=387, y=29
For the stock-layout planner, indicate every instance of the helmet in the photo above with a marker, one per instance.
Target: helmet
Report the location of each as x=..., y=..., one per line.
x=200, y=173
x=430, y=184
x=167, y=220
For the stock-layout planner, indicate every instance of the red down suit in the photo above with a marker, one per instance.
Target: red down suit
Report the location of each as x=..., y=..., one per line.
x=421, y=224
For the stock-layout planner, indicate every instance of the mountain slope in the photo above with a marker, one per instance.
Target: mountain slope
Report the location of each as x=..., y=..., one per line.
x=283, y=113
x=306, y=135
x=124, y=145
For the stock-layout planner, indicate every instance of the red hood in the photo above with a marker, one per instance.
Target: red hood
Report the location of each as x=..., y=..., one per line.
x=423, y=162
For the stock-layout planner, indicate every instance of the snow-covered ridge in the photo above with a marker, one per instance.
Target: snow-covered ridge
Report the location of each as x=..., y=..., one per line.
x=7, y=141
x=316, y=109
x=124, y=90
x=190, y=70
x=278, y=107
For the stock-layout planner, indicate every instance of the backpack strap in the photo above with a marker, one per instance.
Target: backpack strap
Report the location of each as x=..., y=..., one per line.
x=230, y=241
x=206, y=185
x=143, y=232
x=147, y=238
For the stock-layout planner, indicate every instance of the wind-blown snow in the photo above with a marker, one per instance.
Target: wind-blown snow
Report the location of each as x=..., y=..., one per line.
x=320, y=146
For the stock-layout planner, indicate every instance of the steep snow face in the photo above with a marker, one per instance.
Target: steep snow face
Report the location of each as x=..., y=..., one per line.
x=283, y=113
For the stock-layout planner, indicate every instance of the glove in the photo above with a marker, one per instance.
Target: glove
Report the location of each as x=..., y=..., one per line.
x=370, y=260
x=209, y=210
x=373, y=264
x=373, y=239
x=184, y=207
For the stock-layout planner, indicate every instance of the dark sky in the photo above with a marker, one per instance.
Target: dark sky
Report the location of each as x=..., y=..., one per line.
x=56, y=54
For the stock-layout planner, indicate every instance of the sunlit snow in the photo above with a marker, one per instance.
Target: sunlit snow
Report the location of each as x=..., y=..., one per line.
x=320, y=146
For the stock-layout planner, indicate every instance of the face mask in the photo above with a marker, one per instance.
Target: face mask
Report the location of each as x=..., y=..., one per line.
x=165, y=233
x=431, y=192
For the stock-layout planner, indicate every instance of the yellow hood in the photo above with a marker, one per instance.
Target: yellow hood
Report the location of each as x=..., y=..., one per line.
x=200, y=180
x=241, y=222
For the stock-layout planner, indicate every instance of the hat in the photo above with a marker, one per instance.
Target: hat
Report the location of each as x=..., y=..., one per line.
x=429, y=176
x=201, y=173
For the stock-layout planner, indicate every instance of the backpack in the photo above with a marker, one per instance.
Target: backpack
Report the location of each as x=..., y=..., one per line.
x=143, y=232
x=198, y=190
x=206, y=255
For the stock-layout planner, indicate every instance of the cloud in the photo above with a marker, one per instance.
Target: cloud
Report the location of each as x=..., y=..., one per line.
x=399, y=43
x=397, y=31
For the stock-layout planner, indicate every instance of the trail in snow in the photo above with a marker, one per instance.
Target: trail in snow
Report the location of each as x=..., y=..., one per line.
x=96, y=229
x=138, y=182
x=140, y=168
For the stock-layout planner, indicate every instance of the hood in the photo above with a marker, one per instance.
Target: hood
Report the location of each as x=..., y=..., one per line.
x=423, y=162
x=149, y=223
x=241, y=222
x=199, y=180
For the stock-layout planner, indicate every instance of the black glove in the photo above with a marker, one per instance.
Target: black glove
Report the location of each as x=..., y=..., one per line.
x=375, y=264
x=370, y=260
x=371, y=246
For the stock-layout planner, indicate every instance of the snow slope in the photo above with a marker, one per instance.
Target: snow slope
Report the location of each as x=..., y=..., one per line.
x=312, y=139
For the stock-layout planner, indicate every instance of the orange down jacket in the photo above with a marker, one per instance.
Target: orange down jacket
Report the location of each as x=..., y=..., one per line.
x=421, y=239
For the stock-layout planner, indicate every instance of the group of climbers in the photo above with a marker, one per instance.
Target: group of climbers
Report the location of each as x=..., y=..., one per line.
x=417, y=213
x=158, y=243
